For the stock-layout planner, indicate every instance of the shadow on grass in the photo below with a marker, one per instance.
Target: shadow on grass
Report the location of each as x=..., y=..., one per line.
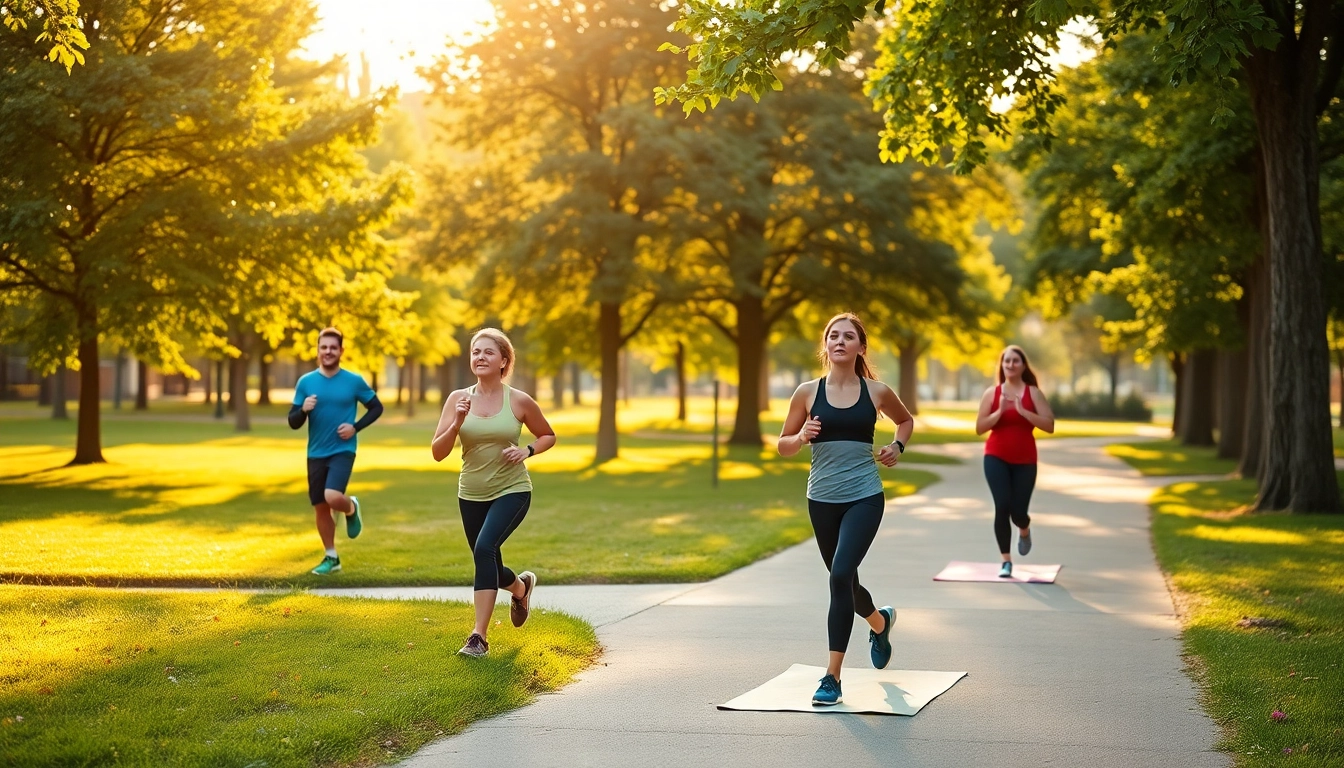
x=281, y=680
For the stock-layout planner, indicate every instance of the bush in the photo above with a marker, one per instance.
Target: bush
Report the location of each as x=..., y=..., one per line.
x=1098, y=406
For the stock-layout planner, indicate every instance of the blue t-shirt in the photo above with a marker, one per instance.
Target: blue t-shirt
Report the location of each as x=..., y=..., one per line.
x=336, y=398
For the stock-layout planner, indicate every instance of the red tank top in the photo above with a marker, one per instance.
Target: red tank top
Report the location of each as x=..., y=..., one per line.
x=1011, y=439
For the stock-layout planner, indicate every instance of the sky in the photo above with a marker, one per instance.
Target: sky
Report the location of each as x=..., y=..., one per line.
x=397, y=35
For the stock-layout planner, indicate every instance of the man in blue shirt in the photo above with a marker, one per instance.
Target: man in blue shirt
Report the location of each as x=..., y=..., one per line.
x=326, y=399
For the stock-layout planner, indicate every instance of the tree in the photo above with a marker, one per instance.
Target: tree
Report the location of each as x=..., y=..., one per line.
x=568, y=164
x=149, y=197
x=944, y=64
x=61, y=26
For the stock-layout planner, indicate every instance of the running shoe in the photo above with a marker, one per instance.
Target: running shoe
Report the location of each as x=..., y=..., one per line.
x=519, y=606
x=828, y=695
x=328, y=565
x=879, y=643
x=476, y=646
x=1006, y=570
x=353, y=522
x=1023, y=544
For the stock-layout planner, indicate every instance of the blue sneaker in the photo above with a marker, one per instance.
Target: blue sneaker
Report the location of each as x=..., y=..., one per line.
x=1006, y=570
x=1024, y=544
x=328, y=565
x=354, y=523
x=828, y=694
x=879, y=643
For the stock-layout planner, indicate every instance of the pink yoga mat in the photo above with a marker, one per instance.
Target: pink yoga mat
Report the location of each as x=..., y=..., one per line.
x=1022, y=573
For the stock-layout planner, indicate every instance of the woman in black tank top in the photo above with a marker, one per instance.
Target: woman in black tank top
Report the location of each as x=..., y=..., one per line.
x=844, y=490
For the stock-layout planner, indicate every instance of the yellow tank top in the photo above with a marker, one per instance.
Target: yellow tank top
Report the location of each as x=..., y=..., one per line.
x=485, y=474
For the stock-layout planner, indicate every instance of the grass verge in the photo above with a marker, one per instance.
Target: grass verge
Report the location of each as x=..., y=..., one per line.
x=1168, y=458
x=1284, y=571
x=189, y=503
x=205, y=679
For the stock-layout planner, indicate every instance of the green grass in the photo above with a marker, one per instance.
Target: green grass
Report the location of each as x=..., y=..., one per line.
x=1226, y=564
x=1168, y=458
x=92, y=677
x=194, y=503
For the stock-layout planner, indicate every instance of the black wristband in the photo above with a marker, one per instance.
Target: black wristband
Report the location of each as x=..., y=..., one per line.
x=899, y=444
x=531, y=451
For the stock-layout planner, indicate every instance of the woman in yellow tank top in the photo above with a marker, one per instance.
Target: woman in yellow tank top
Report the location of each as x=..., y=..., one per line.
x=494, y=490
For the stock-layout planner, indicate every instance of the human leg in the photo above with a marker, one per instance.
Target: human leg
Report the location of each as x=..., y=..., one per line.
x=490, y=525
x=998, y=473
x=844, y=533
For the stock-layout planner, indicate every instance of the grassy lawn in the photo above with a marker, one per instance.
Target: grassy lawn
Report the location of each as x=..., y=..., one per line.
x=1226, y=564
x=184, y=502
x=1168, y=458
x=93, y=677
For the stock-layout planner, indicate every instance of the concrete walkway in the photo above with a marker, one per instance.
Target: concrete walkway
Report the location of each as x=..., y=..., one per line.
x=1085, y=672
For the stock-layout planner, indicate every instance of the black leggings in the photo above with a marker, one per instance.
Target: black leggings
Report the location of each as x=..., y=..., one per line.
x=844, y=533
x=488, y=524
x=1011, y=485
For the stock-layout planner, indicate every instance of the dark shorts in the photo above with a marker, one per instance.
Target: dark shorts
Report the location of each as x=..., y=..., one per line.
x=329, y=472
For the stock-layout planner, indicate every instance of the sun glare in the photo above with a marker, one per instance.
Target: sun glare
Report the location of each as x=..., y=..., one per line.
x=395, y=36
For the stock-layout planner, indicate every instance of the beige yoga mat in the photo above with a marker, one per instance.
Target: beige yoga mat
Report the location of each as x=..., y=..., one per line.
x=1022, y=573
x=865, y=691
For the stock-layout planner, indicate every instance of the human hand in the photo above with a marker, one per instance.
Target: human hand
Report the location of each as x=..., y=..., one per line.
x=1008, y=404
x=462, y=409
x=811, y=428
x=889, y=455
x=514, y=455
x=309, y=403
x=346, y=431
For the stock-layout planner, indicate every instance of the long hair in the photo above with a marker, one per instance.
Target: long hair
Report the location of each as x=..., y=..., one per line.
x=1028, y=375
x=501, y=341
x=860, y=365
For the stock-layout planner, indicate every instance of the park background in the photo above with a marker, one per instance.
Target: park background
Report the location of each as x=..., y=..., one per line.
x=192, y=191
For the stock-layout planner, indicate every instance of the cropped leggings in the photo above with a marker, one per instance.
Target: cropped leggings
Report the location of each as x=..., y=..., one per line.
x=1011, y=486
x=844, y=532
x=488, y=524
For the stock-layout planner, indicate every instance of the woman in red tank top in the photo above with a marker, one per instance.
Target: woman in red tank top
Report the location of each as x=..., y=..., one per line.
x=1010, y=411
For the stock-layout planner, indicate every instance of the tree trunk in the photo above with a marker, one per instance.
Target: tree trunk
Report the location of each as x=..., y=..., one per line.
x=59, y=406
x=751, y=334
x=681, y=383
x=409, y=368
x=1177, y=361
x=1196, y=424
x=765, y=375
x=264, y=377
x=1232, y=377
x=119, y=380
x=141, y=385
x=576, y=383
x=421, y=391
x=401, y=380
x=89, y=440
x=219, y=389
x=208, y=381
x=44, y=391
x=232, y=403
x=1339, y=363
x=625, y=376
x=1299, y=455
x=242, y=417
x=445, y=380
x=609, y=349
x=1113, y=370
x=909, y=386
x=558, y=389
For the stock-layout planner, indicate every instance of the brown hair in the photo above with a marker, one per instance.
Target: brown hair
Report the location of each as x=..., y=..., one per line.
x=1028, y=376
x=501, y=341
x=340, y=339
x=860, y=365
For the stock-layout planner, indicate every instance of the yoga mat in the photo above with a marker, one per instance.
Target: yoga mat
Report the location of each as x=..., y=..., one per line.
x=1022, y=573
x=864, y=691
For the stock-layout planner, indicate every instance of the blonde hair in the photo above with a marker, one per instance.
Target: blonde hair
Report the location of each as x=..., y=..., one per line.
x=502, y=342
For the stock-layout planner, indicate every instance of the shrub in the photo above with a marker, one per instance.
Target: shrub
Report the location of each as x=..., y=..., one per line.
x=1095, y=405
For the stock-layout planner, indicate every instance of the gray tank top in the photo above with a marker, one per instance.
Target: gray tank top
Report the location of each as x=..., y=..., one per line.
x=843, y=465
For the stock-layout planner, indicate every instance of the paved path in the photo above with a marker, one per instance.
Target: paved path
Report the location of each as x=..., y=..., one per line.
x=1085, y=672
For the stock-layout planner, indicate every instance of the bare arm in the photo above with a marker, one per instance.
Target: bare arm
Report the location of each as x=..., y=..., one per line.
x=445, y=434
x=889, y=402
x=1043, y=418
x=798, y=429
x=985, y=419
x=536, y=423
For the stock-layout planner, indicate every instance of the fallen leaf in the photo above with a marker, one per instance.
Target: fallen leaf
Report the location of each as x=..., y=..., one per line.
x=1277, y=715
x=1260, y=622
x=237, y=642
